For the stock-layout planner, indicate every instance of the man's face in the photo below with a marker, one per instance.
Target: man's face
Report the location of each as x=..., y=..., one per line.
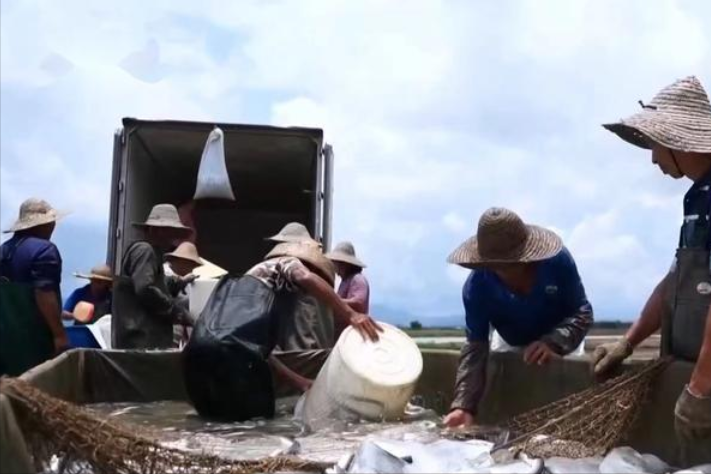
x=181, y=267
x=662, y=157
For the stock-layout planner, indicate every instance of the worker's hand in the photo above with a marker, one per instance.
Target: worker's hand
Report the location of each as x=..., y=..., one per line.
x=609, y=356
x=189, y=278
x=538, y=353
x=61, y=343
x=692, y=416
x=459, y=418
x=365, y=325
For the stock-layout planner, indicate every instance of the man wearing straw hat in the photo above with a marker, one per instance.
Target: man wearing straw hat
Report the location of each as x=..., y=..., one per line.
x=312, y=327
x=676, y=127
x=182, y=261
x=228, y=361
x=143, y=309
x=30, y=297
x=97, y=293
x=354, y=288
x=526, y=285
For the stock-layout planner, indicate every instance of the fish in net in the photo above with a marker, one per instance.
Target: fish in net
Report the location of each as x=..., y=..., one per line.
x=586, y=423
x=78, y=441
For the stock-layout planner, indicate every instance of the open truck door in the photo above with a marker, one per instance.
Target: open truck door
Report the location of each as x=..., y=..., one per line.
x=278, y=175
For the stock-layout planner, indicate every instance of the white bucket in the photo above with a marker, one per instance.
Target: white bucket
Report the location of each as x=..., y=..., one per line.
x=365, y=379
x=199, y=292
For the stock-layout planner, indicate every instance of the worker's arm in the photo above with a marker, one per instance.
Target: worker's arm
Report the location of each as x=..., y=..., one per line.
x=294, y=379
x=48, y=305
x=650, y=320
x=470, y=384
x=46, y=271
x=570, y=332
x=700, y=383
x=319, y=289
x=149, y=290
x=609, y=356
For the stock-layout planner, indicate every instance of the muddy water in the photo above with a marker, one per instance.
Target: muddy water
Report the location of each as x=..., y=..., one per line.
x=176, y=424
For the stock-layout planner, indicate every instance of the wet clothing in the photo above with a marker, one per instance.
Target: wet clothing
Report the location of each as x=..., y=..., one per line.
x=143, y=309
x=227, y=375
x=311, y=326
x=687, y=298
x=354, y=287
x=26, y=264
x=556, y=311
x=102, y=305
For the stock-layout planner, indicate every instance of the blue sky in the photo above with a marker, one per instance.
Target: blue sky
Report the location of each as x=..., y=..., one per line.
x=435, y=113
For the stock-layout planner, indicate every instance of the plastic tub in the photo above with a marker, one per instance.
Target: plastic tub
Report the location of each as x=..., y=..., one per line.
x=81, y=336
x=373, y=381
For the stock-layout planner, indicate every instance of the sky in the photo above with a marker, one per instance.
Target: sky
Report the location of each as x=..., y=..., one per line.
x=436, y=112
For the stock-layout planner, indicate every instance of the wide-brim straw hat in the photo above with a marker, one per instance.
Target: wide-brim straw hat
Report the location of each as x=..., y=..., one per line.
x=679, y=117
x=502, y=237
x=186, y=251
x=99, y=272
x=163, y=215
x=345, y=252
x=294, y=232
x=34, y=213
x=308, y=254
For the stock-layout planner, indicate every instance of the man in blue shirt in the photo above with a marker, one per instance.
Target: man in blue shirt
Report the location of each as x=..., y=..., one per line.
x=676, y=127
x=97, y=292
x=30, y=305
x=526, y=286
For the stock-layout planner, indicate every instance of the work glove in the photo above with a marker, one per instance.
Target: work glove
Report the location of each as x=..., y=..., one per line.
x=692, y=417
x=609, y=356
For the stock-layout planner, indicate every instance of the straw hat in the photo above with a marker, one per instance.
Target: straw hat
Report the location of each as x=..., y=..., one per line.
x=34, y=213
x=679, y=117
x=345, y=252
x=163, y=215
x=99, y=272
x=186, y=251
x=294, y=232
x=307, y=254
x=502, y=237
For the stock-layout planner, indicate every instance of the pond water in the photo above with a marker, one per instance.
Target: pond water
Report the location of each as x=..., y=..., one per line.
x=176, y=424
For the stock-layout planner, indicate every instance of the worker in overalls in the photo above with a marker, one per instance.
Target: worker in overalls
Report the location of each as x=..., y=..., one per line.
x=31, y=329
x=305, y=339
x=676, y=126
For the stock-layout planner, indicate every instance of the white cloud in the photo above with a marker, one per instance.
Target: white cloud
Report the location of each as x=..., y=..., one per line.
x=436, y=113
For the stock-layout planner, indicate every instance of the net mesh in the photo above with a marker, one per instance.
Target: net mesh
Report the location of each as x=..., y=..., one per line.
x=586, y=423
x=67, y=438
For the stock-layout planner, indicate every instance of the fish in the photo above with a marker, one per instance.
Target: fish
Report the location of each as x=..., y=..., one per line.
x=371, y=458
x=558, y=465
x=701, y=469
x=289, y=447
x=626, y=460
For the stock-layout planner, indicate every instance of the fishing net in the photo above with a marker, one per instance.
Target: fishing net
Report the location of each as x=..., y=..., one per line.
x=66, y=438
x=587, y=423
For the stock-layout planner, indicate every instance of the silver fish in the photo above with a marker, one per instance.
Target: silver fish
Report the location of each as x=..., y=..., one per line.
x=702, y=469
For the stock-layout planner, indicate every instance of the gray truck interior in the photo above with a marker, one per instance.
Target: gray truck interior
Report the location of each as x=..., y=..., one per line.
x=276, y=175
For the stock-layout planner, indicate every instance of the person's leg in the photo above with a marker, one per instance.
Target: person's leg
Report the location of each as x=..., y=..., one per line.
x=305, y=363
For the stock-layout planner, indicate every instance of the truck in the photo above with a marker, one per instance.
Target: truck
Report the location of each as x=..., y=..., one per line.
x=278, y=175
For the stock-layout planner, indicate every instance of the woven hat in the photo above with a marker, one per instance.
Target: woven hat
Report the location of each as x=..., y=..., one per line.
x=502, y=237
x=186, y=251
x=163, y=215
x=99, y=272
x=679, y=117
x=34, y=213
x=294, y=232
x=345, y=252
x=309, y=254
